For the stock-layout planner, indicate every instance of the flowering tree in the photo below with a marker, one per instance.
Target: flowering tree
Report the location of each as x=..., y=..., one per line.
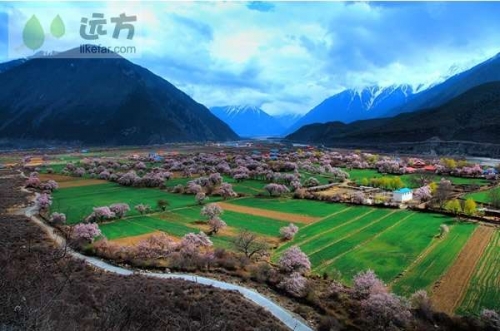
x=491, y=319
x=200, y=197
x=156, y=246
x=192, y=242
x=143, y=208
x=211, y=210
x=420, y=300
x=216, y=224
x=226, y=191
x=120, y=209
x=79, y=172
x=215, y=179
x=57, y=218
x=358, y=198
x=33, y=182
x=295, y=284
x=289, y=231
x=193, y=188
x=294, y=260
x=276, y=189
x=50, y=185
x=384, y=311
x=43, y=202
x=100, y=214
x=423, y=193
x=87, y=231
x=366, y=284
x=310, y=182
x=443, y=230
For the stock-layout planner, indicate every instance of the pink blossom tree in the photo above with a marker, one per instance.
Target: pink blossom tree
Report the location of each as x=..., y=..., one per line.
x=191, y=243
x=384, y=311
x=43, y=202
x=216, y=224
x=156, y=246
x=100, y=214
x=120, y=209
x=295, y=284
x=57, y=218
x=491, y=319
x=294, y=260
x=276, y=189
x=32, y=182
x=200, y=197
x=423, y=193
x=367, y=283
x=211, y=210
x=289, y=231
x=87, y=231
x=50, y=185
x=226, y=191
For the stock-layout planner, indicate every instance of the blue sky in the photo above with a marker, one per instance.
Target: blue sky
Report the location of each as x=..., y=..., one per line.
x=289, y=56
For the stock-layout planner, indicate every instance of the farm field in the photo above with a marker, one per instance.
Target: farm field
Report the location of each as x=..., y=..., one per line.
x=481, y=197
x=399, y=245
x=357, y=175
x=484, y=287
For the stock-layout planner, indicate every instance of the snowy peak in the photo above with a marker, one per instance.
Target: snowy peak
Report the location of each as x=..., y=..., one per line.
x=249, y=121
x=357, y=104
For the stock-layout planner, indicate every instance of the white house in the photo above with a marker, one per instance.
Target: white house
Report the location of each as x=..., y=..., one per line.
x=402, y=195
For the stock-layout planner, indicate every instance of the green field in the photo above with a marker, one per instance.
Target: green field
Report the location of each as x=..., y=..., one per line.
x=484, y=287
x=481, y=197
x=357, y=175
x=77, y=202
x=440, y=256
x=399, y=245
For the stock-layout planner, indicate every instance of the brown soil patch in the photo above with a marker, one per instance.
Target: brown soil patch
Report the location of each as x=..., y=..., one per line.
x=68, y=181
x=450, y=289
x=134, y=240
x=269, y=213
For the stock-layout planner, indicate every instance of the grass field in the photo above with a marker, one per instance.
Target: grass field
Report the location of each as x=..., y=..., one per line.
x=484, y=287
x=435, y=261
x=399, y=245
x=482, y=197
x=357, y=175
x=77, y=202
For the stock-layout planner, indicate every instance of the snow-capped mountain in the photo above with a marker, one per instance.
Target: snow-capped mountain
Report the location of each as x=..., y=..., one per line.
x=249, y=121
x=352, y=105
x=288, y=119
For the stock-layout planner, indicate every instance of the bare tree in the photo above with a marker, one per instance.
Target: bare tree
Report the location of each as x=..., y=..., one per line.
x=443, y=192
x=249, y=244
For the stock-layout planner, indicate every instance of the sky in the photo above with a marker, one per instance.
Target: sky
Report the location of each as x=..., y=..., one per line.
x=286, y=57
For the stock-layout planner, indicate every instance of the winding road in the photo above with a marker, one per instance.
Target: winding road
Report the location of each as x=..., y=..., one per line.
x=286, y=317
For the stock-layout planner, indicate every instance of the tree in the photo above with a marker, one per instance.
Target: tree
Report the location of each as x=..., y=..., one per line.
x=32, y=182
x=156, y=246
x=249, y=244
x=386, y=311
x=87, y=231
x=311, y=182
x=295, y=284
x=453, y=206
x=494, y=197
x=421, y=302
x=142, y=208
x=43, y=202
x=423, y=193
x=162, y=204
x=443, y=192
x=211, y=211
x=470, y=207
x=216, y=224
x=443, y=230
x=294, y=260
x=200, y=197
x=491, y=319
x=289, y=231
x=120, y=209
x=276, y=189
x=100, y=214
x=57, y=218
x=226, y=191
x=366, y=283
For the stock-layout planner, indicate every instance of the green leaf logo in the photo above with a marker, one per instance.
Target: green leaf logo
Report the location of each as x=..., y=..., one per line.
x=33, y=35
x=57, y=27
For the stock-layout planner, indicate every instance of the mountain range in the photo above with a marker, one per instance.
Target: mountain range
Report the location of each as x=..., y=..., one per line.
x=93, y=101
x=249, y=121
x=473, y=116
x=464, y=107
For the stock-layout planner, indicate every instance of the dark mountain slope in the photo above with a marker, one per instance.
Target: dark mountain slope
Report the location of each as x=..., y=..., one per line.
x=102, y=102
x=473, y=116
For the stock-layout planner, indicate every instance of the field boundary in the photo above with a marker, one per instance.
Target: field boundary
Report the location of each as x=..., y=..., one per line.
x=280, y=216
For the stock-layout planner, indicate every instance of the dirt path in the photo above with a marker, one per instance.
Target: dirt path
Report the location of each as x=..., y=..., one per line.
x=269, y=213
x=450, y=289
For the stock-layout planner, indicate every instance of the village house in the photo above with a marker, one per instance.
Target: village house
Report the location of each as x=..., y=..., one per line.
x=402, y=195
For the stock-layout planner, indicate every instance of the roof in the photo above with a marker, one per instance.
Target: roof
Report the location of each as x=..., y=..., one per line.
x=403, y=190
